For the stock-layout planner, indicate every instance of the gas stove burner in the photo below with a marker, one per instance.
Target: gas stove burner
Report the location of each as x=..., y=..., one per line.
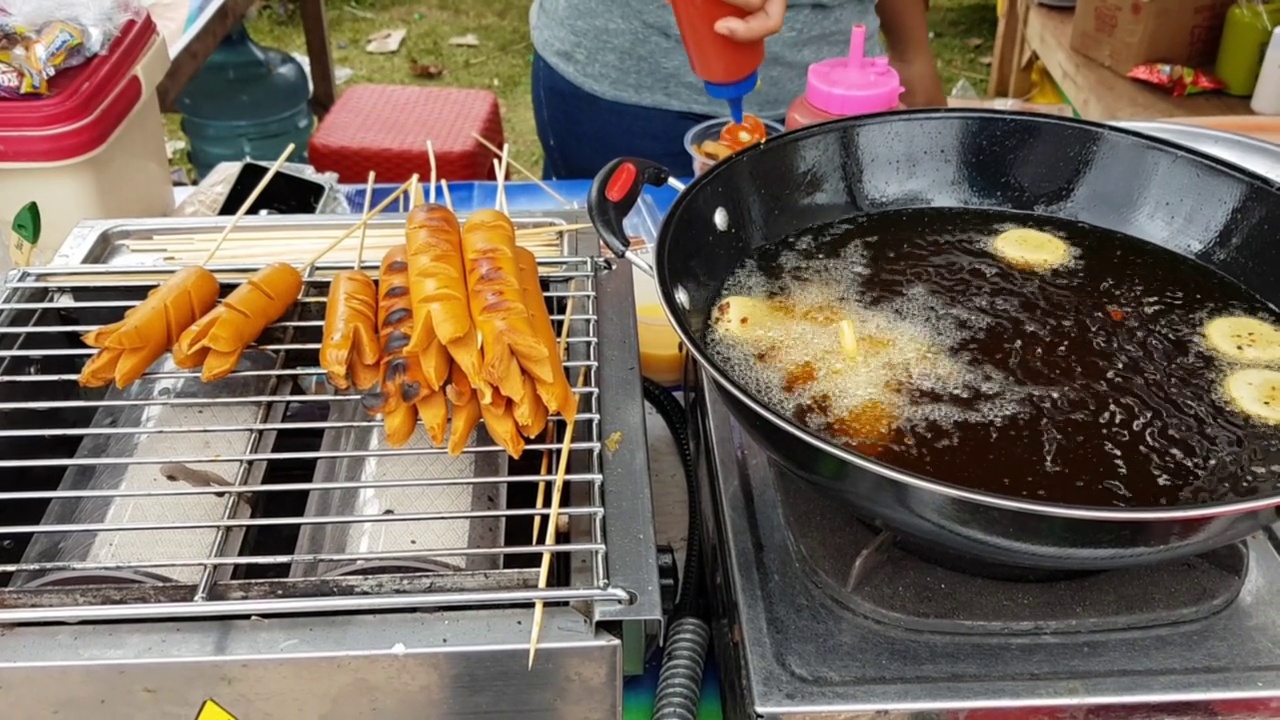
x=876, y=575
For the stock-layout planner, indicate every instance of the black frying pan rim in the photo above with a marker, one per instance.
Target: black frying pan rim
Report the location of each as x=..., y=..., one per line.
x=696, y=346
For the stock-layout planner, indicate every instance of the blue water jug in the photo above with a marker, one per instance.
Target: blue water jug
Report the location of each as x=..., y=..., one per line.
x=247, y=102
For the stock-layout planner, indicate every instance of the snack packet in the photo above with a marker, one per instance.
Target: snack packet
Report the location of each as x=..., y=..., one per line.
x=40, y=38
x=1179, y=80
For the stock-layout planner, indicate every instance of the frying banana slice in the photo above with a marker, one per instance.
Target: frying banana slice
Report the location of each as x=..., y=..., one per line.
x=1244, y=339
x=1031, y=250
x=741, y=315
x=1256, y=393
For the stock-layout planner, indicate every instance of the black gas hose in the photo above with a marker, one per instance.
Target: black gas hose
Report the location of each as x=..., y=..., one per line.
x=688, y=635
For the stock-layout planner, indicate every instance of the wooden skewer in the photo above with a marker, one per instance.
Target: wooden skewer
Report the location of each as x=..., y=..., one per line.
x=249, y=235
x=562, y=345
x=544, y=573
x=431, y=158
x=557, y=492
x=502, y=175
x=448, y=201
x=364, y=229
x=248, y=203
x=520, y=169
x=415, y=195
x=397, y=195
x=497, y=190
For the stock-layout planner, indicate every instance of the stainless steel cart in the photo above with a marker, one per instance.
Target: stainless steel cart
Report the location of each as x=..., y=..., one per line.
x=285, y=563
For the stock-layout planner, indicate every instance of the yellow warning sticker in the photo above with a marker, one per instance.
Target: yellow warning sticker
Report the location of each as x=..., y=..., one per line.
x=211, y=710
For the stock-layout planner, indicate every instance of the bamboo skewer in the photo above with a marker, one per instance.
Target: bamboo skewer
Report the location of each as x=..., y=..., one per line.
x=364, y=229
x=557, y=492
x=200, y=240
x=448, y=201
x=562, y=346
x=397, y=195
x=248, y=203
x=502, y=177
x=520, y=169
x=545, y=247
x=431, y=158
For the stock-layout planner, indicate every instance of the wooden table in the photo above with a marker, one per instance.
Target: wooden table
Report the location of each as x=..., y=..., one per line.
x=216, y=20
x=1028, y=30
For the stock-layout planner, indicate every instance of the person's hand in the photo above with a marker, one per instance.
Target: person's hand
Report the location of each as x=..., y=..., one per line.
x=765, y=19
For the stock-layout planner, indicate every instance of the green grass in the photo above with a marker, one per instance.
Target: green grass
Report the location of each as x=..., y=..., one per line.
x=963, y=31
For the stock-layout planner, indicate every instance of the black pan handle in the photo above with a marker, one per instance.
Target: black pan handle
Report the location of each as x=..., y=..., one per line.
x=614, y=193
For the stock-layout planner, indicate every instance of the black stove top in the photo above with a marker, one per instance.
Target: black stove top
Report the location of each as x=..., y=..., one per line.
x=818, y=615
x=877, y=575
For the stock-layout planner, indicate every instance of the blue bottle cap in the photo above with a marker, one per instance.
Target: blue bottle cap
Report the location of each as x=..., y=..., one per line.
x=733, y=93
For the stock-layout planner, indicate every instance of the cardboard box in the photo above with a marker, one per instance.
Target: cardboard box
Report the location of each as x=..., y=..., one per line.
x=1122, y=34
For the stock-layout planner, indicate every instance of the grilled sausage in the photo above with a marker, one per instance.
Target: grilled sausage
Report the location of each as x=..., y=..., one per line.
x=555, y=393
x=530, y=412
x=500, y=423
x=438, y=284
x=127, y=348
x=507, y=340
x=465, y=404
x=349, y=352
x=433, y=411
x=402, y=381
x=220, y=337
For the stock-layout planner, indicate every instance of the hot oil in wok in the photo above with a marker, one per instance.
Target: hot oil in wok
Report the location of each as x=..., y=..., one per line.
x=1087, y=385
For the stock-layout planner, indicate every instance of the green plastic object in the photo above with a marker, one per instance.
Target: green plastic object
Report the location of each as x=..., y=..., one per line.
x=26, y=224
x=1246, y=32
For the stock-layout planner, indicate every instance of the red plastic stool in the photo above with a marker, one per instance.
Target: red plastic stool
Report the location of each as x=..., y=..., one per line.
x=385, y=128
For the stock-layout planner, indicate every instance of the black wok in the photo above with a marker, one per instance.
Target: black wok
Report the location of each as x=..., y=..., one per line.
x=1105, y=176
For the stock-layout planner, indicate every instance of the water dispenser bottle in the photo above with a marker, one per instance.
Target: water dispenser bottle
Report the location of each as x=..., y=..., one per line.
x=247, y=102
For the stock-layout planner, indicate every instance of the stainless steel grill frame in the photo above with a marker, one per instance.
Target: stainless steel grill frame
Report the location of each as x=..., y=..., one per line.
x=607, y=574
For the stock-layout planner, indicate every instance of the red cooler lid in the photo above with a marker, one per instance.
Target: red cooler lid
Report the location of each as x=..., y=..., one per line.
x=85, y=106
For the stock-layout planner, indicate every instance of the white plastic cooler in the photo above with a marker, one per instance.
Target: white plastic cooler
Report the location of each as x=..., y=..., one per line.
x=94, y=148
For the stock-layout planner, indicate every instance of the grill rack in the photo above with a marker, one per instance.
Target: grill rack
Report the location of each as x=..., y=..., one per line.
x=42, y=309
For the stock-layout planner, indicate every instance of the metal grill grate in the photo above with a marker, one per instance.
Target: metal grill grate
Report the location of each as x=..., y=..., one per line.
x=279, y=496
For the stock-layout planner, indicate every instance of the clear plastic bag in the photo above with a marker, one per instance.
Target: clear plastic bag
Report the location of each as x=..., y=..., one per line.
x=40, y=38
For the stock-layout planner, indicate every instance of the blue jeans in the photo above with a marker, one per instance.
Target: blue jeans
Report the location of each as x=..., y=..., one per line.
x=580, y=133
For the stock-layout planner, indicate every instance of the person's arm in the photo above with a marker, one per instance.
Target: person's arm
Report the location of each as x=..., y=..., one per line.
x=906, y=30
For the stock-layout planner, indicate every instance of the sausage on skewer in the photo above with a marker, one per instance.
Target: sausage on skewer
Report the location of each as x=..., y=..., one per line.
x=127, y=348
x=555, y=393
x=465, y=403
x=402, y=382
x=220, y=337
x=530, y=412
x=438, y=284
x=507, y=340
x=433, y=411
x=500, y=422
x=349, y=352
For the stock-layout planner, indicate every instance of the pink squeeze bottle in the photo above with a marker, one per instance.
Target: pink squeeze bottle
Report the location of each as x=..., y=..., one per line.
x=846, y=86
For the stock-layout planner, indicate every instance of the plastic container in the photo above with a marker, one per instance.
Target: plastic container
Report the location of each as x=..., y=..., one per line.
x=847, y=86
x=728, y=69
x=247, y=102
x=94, y=148
x=1266, y=96
x=661, y=354
x=710, y=130
x=1245, y=34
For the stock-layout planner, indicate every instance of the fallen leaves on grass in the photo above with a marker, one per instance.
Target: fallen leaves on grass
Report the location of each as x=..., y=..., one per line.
x=428, y=71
